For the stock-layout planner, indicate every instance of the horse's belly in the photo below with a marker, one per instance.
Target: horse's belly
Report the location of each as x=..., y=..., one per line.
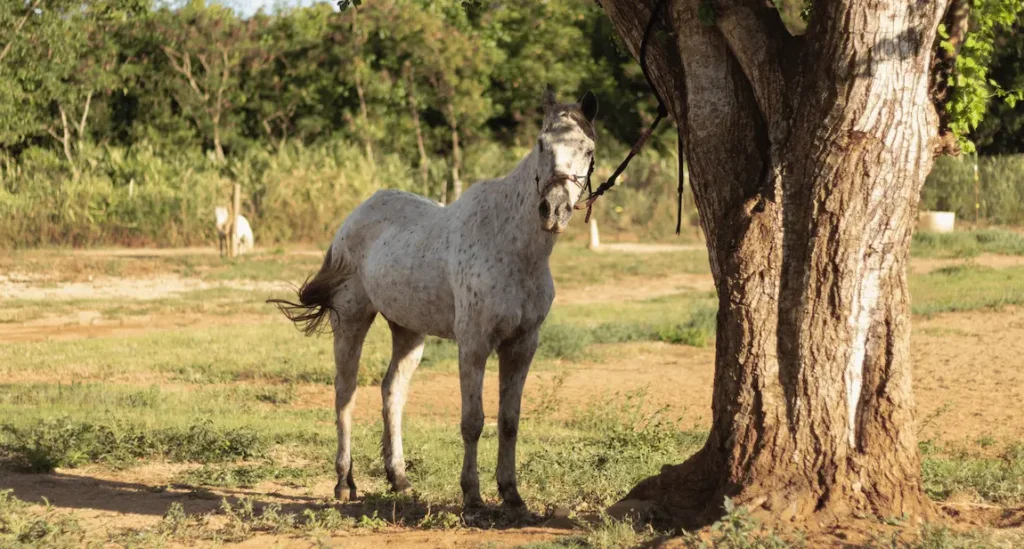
x=413, y=293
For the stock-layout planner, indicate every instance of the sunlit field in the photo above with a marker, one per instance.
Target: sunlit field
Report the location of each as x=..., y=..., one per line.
x=153, y=399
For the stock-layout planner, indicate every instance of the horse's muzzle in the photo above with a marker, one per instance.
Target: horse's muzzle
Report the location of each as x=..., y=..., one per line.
x=555, y=207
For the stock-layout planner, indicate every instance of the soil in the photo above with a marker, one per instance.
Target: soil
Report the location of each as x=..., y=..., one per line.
x=968, y=384
x=106, y=287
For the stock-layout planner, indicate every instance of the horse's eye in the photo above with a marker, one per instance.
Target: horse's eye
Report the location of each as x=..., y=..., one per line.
x=540, y=146
x=590, y=153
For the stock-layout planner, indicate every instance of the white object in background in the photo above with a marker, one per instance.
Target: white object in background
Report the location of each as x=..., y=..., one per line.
x=936, y=222
x=243, y=232
x=595, y=240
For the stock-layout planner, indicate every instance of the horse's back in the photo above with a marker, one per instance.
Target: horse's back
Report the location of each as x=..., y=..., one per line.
x=398, y=242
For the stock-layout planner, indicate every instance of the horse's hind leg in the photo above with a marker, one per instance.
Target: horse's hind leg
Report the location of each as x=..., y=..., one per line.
x=349, y=334
x=514, y=358
x=406, y=351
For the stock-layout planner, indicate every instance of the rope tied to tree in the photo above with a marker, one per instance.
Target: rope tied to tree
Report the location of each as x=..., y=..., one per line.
x=662, y=113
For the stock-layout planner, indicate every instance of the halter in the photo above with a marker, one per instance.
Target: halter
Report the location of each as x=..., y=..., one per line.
x=581, y=181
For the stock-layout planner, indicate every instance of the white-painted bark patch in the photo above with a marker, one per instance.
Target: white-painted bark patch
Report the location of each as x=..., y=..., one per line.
x=860, y=321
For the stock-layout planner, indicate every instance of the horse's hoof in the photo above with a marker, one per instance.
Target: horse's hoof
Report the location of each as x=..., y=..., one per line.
x=344, y=496
x=473, y=503
x=401, y=486
x=513, y=503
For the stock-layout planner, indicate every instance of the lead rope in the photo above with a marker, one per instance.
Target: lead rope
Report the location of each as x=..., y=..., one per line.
x=662, y=113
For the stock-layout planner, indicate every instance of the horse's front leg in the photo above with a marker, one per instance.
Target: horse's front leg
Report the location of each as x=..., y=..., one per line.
x=472, y=361
x=514, y=358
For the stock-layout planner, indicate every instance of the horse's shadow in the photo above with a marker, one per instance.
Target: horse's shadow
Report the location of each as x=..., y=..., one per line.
x=72, y=492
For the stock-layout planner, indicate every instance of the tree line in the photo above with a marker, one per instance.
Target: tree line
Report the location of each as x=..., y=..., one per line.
x=121, y=119
x=414, y=77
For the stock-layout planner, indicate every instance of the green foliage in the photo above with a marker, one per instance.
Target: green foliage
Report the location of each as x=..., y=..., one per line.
x=309, y=109
x=970, y=83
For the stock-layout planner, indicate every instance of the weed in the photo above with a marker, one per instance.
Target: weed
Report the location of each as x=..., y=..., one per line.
x=50, y=443
x=951, y=471
x=20, y=527
x=606, y=533
x=327, y=519
x=371, y=522
x=246, y=476
x=441, y=520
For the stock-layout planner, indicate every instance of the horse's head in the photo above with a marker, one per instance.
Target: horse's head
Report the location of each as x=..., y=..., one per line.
x=565, y=158
x=220, y=215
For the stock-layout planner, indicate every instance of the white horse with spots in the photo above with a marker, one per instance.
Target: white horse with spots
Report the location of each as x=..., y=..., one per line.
x=475, y=271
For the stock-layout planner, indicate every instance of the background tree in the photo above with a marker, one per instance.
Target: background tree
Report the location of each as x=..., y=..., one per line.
x=806, y=155
x=205, y=46
x=1002, y=129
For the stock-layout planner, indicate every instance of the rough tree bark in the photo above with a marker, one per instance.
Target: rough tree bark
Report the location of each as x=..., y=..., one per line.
x=806, y=158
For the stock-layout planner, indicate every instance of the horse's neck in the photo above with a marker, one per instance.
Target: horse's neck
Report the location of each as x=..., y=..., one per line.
x=517, y=194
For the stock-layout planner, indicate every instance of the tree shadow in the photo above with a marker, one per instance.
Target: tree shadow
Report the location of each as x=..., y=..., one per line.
x=88, y=493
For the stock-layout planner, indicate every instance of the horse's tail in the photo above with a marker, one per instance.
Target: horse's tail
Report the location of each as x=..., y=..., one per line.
x=316, y=295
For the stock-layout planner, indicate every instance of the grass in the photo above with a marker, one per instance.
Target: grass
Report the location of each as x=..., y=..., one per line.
x=966, y=287
x=967, y=243
x=974, y=472
x=230, y=402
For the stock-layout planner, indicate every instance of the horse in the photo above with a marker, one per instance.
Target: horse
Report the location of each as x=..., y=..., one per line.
x=243, y=232
x=475, y=271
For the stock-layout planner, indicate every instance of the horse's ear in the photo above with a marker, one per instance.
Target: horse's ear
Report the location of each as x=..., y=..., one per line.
x=548, y=100
x=589, y=106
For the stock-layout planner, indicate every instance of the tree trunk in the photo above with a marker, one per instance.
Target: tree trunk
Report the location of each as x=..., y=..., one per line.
x=415, y=112
x=218, y=148
x=806, y=159
x=456, y=153
x=85, y=116
x=65, y=140
x=363, y=109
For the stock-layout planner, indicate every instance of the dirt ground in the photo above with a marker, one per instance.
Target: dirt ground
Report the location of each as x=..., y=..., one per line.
x=968, y=383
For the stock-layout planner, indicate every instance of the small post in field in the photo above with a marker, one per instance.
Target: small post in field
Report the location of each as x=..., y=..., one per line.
x=236, y=207
x=595, y=240
x=977, y=201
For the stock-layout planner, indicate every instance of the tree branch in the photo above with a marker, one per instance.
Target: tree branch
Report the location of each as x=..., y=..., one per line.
x=757, y=38
x=85, y=116
x=182, y=63
x=17, y=29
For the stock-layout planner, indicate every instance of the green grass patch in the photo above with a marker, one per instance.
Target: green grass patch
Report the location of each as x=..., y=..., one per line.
x=966, y=287
x=577, y=266
x=43, y=446
x=994, y=479
x=967, y=243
